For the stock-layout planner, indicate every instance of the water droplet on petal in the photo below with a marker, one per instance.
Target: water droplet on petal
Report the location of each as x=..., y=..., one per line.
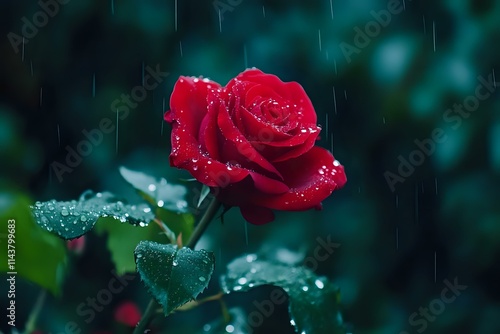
x=64, y=212
x=139, y=256
x=242, y=280
x=202, y=279
x=83, y=218
x=151, y=187
x=336, y=163
x=175, y=263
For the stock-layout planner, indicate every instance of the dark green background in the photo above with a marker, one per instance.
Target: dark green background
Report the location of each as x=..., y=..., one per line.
x=394, y=90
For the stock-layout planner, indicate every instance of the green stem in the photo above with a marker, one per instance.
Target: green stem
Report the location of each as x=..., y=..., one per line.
x=207, y=217
x=31, y=323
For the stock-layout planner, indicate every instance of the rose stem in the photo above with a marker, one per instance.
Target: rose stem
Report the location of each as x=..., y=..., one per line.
x=207, y=217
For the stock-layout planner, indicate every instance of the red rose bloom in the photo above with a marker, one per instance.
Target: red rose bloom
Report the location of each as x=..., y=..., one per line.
x=253, y=140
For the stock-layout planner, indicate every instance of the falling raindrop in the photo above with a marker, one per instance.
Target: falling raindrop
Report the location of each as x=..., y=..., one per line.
x=22, y=53
x=246, y=232
x=41, y=96
x=31, y=67
x=434, y=34
x=180, y=47
x=319, y=39
x=334, y=100
x=436, y=184
x=116, y=138
x=331, y=8
x=220, y=21
x=263, y=11
x=175, y=9
x=112, y=7
x=58, y=135
x=423, y=21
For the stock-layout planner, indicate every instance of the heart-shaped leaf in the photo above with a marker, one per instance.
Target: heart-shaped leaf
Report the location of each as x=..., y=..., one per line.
x=173, y=276
x=73, y=219
x=313, y=300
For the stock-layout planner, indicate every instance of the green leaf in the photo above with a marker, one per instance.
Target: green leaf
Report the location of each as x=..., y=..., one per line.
x=205, y=190
x=179, y=223
x=123, y=239
x=40, y=257
x=173, y=276
x=313, y=301
x=72, y=219
x=157, y=192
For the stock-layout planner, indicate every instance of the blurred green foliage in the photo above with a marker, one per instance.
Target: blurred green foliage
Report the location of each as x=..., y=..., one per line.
x=397, y=247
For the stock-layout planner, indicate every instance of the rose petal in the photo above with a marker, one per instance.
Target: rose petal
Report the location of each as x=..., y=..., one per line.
x=291, y=91
x=243, y=147
x=311, y=178
x=188, y=103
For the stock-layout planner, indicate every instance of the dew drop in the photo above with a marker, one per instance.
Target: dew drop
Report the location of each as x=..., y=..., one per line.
x=242, y=280
x=64, y=212
x=319, y=284
x=336, y=163
x=202, y=279
x=251, y=257
x=139, y=256
x=175, y=263
x=83, y=218
x=151, y=187
x=305, y=288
